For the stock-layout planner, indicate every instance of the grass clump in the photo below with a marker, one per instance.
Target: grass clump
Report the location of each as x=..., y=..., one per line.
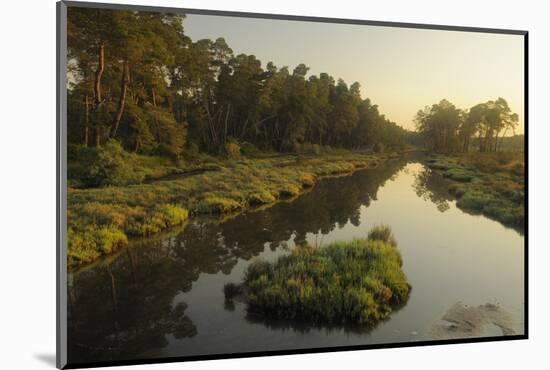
x=383, y=233
x=289, y=190
x=217, y=204
x=261, y=197
x=97, y=229
x=160, y=218
x=307, y=180
x=86, y=246
x=459, y=174
x=109, y=239
x=360, y=281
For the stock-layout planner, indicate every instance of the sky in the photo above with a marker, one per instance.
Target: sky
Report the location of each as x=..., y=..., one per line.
x=400, y=69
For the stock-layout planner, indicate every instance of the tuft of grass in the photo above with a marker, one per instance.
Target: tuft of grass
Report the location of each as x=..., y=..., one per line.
x=261, y=197
x=459, y=174
x=289, y=190
x=87, y=245
x=383, y=233
x=217, y=204
x=160, y=218
x=307, y=180
x=109, y=239
x=360, y=281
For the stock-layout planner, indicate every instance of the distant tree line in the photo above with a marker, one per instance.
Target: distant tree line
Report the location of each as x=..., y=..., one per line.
x=446, y=128
x=137, y=78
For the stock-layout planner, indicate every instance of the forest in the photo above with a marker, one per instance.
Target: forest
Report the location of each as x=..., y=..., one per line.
x=135, y=77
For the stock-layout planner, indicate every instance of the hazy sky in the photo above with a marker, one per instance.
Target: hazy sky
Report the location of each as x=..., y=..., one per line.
x=400, y=69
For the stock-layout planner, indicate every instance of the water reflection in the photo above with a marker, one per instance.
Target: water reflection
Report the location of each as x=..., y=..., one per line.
x=430, y=185
x=123, y=307
x=304, y=327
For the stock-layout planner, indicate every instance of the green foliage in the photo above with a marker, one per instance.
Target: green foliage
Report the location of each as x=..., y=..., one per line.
x=383, y=233
x=160, y=218
x=200, y=92
x=109, y=239
x=249, y=150
x=107, y=165
x=81, y=247
x=262, y=197
x=96, y=229
x=87, y=245
x=459, y=174
x=487, y=183
x=360, y=281
x=216, y=204
x=448, y=129
x=289, y=190
x=439, y=124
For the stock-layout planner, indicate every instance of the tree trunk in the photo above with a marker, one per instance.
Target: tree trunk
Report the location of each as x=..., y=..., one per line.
x=99, y=75
x=122, y=98
x=226, y=118
x=97, y=137
x=502, y=138
x=87, y=120
x=480, y=140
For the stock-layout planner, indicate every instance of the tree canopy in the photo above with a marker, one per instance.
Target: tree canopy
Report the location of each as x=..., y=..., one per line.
x=137, y=78
x=448, y=128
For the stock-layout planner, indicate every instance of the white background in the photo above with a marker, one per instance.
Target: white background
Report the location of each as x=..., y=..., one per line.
x=27, y=182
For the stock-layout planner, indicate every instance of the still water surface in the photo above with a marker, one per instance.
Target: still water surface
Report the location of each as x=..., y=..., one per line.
x=163, y=297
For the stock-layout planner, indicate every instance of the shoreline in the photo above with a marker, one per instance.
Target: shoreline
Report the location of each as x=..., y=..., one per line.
x=489, y=185
x=117, y=212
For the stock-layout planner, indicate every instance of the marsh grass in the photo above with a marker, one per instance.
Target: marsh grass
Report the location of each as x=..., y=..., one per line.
x=359, y=281
x=383, y=233
x=143, y=209
x=491, y=184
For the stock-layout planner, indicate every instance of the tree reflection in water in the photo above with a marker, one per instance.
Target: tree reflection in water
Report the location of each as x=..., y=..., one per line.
x=122, y=307
x=431, y=186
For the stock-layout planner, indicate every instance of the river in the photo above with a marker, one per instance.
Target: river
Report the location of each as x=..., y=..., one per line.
x=163, y=296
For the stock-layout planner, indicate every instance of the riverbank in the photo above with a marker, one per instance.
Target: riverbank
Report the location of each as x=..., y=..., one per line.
x=491, y=184
x=101, y=220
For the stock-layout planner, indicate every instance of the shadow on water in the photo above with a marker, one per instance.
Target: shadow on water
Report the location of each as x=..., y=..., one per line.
x=123, y=308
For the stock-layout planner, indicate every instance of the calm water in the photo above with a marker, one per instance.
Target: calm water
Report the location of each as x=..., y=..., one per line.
x=163, y=297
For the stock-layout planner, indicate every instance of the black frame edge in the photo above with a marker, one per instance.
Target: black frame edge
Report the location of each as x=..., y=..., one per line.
x=526, y=179
x=289, y=17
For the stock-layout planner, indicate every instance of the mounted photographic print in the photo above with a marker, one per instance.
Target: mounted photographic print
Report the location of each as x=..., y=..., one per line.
x=237, y=184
